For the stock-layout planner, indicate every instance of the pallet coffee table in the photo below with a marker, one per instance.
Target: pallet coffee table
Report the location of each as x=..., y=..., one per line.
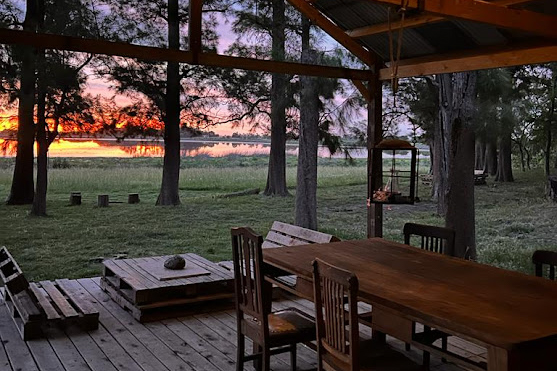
x=151, y=292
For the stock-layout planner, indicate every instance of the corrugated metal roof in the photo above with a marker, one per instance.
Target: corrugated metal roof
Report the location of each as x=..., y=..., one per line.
x=439, y=37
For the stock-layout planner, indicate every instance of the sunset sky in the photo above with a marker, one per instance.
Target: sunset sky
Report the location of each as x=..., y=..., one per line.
x=97, y=86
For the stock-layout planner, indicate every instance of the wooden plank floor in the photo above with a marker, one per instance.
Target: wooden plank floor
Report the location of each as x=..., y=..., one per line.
x=204, y=341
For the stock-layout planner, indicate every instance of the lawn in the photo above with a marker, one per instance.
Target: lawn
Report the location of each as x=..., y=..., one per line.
x=512, y=220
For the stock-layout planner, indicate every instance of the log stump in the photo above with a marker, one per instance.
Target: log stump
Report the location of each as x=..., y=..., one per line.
x=552, y=188
x=133, y=198
x=75, y=198
x=102, y=201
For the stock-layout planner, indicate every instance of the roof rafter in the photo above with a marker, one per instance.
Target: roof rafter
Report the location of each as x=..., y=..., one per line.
x=496, y=14
x=415, y=21
x=337, y=33
x=485, y=58
x=78, y=44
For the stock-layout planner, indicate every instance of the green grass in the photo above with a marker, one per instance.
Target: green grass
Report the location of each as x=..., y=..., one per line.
x=512, y=219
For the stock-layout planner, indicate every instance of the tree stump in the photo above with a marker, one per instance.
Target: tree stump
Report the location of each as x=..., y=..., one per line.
x=552, y=188
x=75, y=198
x=102, y=201
x=133, y=198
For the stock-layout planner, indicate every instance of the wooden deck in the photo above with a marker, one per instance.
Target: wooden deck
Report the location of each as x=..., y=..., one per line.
x=204, y=341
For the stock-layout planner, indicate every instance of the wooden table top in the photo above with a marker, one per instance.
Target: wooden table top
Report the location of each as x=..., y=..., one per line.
x=495, y=306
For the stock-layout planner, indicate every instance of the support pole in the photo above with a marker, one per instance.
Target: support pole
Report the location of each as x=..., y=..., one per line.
x=195, y=21
x=374, y=161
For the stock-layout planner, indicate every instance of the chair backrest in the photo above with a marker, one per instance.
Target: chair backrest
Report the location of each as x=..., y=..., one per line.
x=548, y=258
x=337, y=329
x=435, y=239
x=248, y=278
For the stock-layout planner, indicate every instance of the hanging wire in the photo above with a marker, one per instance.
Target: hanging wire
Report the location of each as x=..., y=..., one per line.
x=395, y=59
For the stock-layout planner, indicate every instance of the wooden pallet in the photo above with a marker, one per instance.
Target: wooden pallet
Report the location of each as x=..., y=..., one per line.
x=148, y=297
x=35, y=305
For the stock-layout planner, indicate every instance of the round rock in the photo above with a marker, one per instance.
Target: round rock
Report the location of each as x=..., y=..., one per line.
x=175, y=262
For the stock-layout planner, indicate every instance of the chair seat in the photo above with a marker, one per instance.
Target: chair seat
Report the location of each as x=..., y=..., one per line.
x=381, y=357
x=291, y=325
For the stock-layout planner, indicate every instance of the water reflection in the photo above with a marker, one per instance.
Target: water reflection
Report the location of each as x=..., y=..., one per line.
x=155, y=148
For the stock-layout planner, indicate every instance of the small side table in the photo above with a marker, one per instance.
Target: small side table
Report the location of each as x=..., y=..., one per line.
x=151, y=292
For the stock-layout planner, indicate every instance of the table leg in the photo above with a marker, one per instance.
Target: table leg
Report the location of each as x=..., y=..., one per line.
x=378, y=336
x=499, y=359
x=267, y=297
x=539, y=356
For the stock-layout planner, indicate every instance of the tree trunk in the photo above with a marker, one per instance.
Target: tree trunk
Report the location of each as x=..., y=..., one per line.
x=480, y=154
x=442, y=132
x=276, y=176
x=39, y=201
x=490, y=164
x=457, y=97
x=306, y=189
x=549, y=126
x=505, y=168
x=22, y=191
x=431, y=145
x=169, y=194
x=522, y=156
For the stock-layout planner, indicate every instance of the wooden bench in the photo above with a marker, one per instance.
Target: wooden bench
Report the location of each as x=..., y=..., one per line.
x=479, y=177
x=283, y=234
x=34, y=305
x=426, y=179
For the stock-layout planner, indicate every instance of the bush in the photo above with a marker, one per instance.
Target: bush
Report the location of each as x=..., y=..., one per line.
x=60, y=163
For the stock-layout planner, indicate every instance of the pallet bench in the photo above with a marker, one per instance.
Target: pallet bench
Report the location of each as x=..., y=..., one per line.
x=283, y=234
x=33, y=305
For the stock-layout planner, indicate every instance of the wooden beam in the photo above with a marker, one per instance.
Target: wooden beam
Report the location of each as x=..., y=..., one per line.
x=195, y=21
x=363, y=89
x=77, y=44
x=337, y=33
x=416, y=21
x=486, y=12
x=288, y=68
x=484, y=58
x=380, y=28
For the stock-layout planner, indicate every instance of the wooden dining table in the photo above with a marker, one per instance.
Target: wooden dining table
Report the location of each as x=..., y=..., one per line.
x=511, y=314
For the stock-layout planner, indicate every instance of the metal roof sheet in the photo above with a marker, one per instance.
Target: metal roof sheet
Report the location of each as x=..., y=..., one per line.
x=439, y=37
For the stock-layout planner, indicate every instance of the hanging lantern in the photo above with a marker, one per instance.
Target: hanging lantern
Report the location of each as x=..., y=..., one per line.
x=398, y=172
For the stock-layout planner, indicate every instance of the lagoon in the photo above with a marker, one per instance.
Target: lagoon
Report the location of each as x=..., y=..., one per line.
x=108, y=147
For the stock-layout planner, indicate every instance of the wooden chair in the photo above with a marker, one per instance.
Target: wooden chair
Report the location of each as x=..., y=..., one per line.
x=338, y=340
x=543, y=257
x=271, y=333
x=435, y=239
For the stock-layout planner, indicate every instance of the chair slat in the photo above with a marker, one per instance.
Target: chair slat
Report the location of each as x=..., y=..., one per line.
x=435, y=239
x=544, y=258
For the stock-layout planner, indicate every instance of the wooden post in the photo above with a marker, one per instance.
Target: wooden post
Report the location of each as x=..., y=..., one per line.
x=374, y=161
x=75, y=198
x=102, y=201
x=133, y=198
x=195, y=22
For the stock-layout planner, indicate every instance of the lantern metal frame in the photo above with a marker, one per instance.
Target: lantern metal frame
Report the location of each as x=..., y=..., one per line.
x=385, y=193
